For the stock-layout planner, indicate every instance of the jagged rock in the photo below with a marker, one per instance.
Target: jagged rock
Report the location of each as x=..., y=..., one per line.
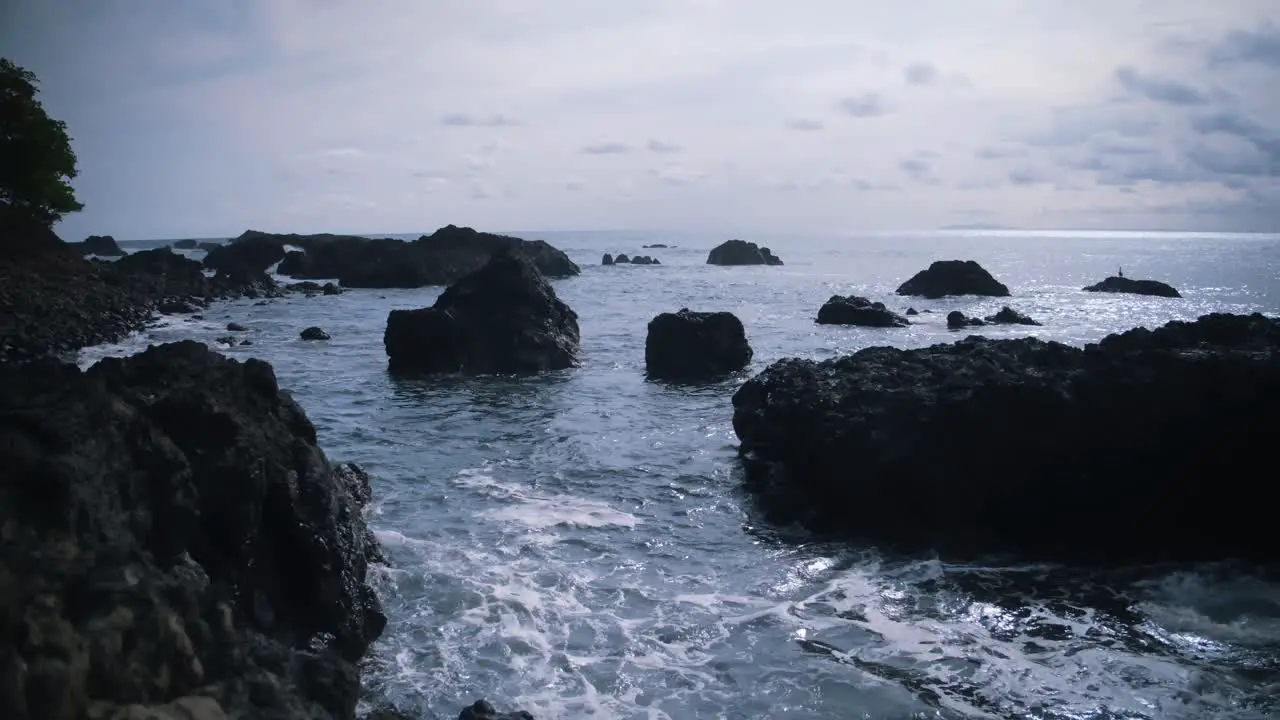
x=1009, y=316
x=607, y=259
x=854, y=310
x=103, y=245
x=503, y=318
x=483, y=710
x=693, y=346
x=945, y=278
x=314, y=333
x=198, y=558
x=622, y=259
x=1117, y=284
x=957, y=320
x=176, y=307
x=912, y=311
x=740, y=252
x=1100, y=454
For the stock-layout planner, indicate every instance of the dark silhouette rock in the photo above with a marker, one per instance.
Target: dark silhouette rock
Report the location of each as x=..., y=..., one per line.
x=1009, y=316
x=911, y=311
x=483, y=710
x=176, y=307
x=622, y=259
x=187, y=244
x=199, y=558
x=1029, y=447
x=946, y=278
x=245, y=255
x=1118, y=284
x=314, y=333
x=330, y=289
x=503, y=318
x=854, y=310
x=607, y=259
x=103, y=245
x=237, y=327
x=655, y=245
x=740, y=252
x=693, y=346
x=957, y=320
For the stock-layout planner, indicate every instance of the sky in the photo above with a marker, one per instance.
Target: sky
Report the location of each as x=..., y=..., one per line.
x=206, y=117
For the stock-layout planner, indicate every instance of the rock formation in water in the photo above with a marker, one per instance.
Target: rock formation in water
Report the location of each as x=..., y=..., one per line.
x=607, y=259
x=437, y=259
x=1118, y=284
x=945, y=278
x=740, y=252
x=313, y=333
x=1144, y=446
x=692, y=346
x=503, y=318
x=176, y=546
x=1009, y=316
x=103, y=245
x=957, y=320
x=854, y=310
x=624, y=259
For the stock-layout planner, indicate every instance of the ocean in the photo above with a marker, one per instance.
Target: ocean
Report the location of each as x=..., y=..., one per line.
x=578, y=544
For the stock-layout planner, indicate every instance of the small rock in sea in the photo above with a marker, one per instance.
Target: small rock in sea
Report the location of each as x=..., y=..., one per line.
x=314, y=333
x=1009, y=316
x=740, y=252
x=228, y=340
x=237, y=327
x=691, y=346
x=197, y=317
x=957, y=320
x=331, y=289
x=945, y=278
x=246, y=342
x=483, y=710
x=912, y=311
x=262, y=302
x=607, y=259
x=854, y=310
x=1121, y=284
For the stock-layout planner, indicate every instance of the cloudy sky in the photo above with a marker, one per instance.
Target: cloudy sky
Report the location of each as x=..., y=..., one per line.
x=206, y=117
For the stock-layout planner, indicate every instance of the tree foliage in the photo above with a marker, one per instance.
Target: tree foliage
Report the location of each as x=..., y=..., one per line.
x=36, y=160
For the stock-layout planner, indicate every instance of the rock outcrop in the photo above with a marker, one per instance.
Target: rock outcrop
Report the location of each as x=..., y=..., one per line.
x=1117, y=284
x=503, y=318
x=740, y=252
x=854, y=310
x=1009, y=316
x=624, y=259
x=313, y=333
x=693, y=346
x=176, y=546
x=103, y=245
x=957, y=320
x=484, y=710
x=1141, y=447
x=945, y=278
x=607, y=259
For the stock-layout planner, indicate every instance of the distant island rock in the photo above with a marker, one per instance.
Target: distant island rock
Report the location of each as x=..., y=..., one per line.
x=102, y=245
x=854, y=310
x=655, y=245
x=502, y=318
x=692, y=346
x=1120, y=284
x=740, y=252
x=945, y=278
x=1013, y=446
x=623, y=259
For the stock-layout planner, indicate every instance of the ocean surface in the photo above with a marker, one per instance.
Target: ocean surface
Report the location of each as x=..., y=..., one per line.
x=579, y=545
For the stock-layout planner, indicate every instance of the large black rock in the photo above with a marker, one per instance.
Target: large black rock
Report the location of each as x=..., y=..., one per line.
x=503, y=318
x=1145, y=446
x=1118, y=284
x=854, y=310
x=103, y=245
x=176, y=545
x=741, y=252
x=692, y=346
x=945, y=278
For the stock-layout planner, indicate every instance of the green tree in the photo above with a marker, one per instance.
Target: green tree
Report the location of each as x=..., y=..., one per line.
x=36, y=161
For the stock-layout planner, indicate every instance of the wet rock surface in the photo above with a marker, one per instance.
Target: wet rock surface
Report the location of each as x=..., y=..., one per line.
x=692, y=346
x=740, y=252
x=1141, y=447
x=1118, y=284
x=1009, y=316
x=957, y=320
x=503, y=318
x=854, y=310
x=945, y=278
x=176, y=545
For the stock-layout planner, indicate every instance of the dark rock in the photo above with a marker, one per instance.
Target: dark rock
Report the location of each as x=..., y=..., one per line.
x=237, y=327
x=739, y=252
x=330, y=289
x=208, y=246
x=188, y=244
x=229, y=340
x=655, y=245
x=103, y=245
x=957, y=320
x=246, y=342
x=693, y=346
x=200, y=558
x=296, y=263
x=912, y=311
x=483, y=710
x=945, y=278
x=607, y=259
x=622, y=259
x=1103, y=455
x=1009, y=316
x=176, y=307
x=245, y=255
x=1117, y=284
x=314, y=333
x=503, y=318
x=854, y=310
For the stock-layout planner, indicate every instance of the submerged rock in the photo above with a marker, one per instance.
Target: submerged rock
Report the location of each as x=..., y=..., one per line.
x=199, y=558
x=945, y=278
x=314, y=333
x=1141, y=447
x=854, y=310
x=692, y=346
x=1118, y=284
x=503, y=318
x=1009, y=316
x=483, y=710
x=740, y=252
x=957, y=320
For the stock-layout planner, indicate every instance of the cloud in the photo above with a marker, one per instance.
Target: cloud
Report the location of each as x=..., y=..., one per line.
x=1000, y=153
x=607, y=148
x=921, y=73
x=1260, y=46
x=865, y=105
x=466, y=120
x=919, y=168
x=805, y=124
x=1164, y=90
x=657, y=146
